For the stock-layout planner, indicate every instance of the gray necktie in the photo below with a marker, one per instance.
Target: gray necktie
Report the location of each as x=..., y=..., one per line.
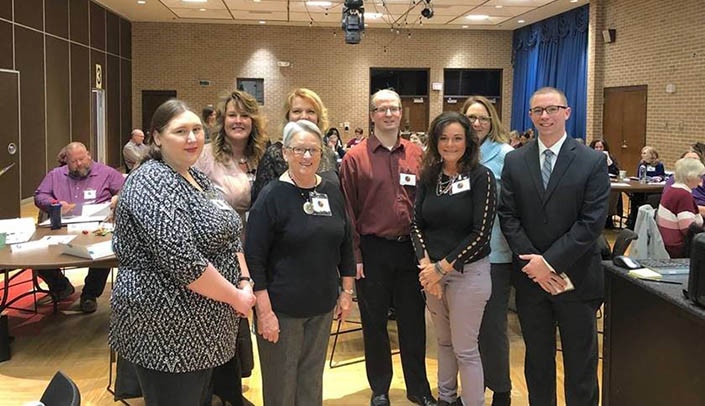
x=547, y=167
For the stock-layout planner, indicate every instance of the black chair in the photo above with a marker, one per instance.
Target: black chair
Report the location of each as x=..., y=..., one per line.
x=623, y=241
x=62, y=391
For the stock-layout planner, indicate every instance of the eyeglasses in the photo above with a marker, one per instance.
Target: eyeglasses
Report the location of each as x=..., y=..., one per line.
x=537, y=111
x=481, y=119
x=302, y=151
x=390, y=109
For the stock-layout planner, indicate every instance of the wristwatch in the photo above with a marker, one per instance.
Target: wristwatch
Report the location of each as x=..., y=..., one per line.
x=247, y=279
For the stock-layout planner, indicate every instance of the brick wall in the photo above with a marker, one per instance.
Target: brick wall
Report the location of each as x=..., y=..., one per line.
x=657, y=43
x=175, y=56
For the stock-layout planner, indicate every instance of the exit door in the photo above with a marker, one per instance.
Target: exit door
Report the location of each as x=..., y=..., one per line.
x=9, y=143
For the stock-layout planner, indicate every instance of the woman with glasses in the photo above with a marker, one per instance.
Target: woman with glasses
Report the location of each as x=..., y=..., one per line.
x=494, y=344
x=299, y=251
x=301, y=104
x=453, y=216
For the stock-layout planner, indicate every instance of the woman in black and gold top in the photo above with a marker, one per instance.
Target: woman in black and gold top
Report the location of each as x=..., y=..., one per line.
x=176, y=301
x=453, y=217
x=299, y=250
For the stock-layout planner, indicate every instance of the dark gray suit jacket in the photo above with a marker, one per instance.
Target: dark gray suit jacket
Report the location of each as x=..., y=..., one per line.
x=563, y=222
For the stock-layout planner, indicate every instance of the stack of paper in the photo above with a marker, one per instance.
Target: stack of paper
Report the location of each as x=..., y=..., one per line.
x=92, y=251
x=645, y=273
x=17, y=230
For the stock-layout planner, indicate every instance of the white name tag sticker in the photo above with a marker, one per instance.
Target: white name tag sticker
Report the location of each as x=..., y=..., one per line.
x=460, y=186
x=407, y=179
x=89, y=194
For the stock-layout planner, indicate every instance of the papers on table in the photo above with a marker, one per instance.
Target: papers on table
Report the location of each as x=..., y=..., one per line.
x=57, y=239
x=619, y=184
x=17, y=230
x=92, y=251
x=96, y=210
x=44, y=242
x=645, y=273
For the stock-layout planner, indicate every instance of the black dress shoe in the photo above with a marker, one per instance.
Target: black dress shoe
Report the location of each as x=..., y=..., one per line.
x=379, y=400
x=423, y=400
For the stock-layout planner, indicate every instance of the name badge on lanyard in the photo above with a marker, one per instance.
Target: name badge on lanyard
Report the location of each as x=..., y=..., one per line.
x=460, y=186
x=321, y=206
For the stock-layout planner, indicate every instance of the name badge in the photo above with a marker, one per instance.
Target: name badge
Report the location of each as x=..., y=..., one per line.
x=407, y=179
x=650, y=168
x=460, y=186
x=221, y=204
x=89, y=194
x=321, y=206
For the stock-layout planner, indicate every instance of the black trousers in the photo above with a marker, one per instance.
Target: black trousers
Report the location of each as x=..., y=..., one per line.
x=392, y=279
x=538, y=317
x=173, y=389
x=94, y=283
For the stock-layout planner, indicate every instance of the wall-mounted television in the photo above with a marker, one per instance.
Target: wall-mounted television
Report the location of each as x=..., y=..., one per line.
x=468, y=82
x=406, y=82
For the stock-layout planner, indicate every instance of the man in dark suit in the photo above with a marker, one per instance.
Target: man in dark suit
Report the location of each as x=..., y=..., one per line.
x=552, y=210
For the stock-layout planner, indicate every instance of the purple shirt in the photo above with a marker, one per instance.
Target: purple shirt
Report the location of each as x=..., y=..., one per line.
x=102, y=183
x=698, y=192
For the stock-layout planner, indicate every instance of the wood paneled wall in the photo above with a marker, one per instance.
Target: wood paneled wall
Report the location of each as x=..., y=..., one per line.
x=56, y=51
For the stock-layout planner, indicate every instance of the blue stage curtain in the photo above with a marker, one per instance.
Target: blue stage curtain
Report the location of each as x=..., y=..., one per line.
x=552, y=52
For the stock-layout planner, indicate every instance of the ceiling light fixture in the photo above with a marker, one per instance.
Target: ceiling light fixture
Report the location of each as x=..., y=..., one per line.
x=201, y=9
x=498, y=6
x=262, y=22
x=466, y=26
x=319, y=3
x=141, y=1
x=521, y=21
x=427, y=11
x=477, y=17
x=195, y=1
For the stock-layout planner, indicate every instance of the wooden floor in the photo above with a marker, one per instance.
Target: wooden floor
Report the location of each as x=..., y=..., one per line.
x=77, y=344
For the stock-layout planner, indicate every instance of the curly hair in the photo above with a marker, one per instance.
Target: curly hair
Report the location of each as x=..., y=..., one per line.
x=497, y=132
x=256, y=142
x=432, y=163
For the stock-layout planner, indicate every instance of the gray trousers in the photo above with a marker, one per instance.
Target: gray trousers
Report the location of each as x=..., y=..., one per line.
x=494, y=344
x=457, y=317
x=292, y=368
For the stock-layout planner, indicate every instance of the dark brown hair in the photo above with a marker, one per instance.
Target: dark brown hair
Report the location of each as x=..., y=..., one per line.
x=432, y=163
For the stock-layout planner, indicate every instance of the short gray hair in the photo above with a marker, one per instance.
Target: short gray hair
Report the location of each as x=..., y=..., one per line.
x=294, y=127
x=688, y=169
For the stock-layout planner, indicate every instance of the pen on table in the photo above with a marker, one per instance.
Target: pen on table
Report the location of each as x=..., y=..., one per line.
x=664, y=281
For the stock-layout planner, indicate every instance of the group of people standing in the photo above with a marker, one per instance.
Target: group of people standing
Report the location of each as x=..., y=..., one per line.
x=397, y=228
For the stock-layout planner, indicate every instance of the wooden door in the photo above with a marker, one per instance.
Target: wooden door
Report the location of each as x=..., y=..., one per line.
x=9, y=144
x=151, y=99
x=415, y=114
x=624, y=124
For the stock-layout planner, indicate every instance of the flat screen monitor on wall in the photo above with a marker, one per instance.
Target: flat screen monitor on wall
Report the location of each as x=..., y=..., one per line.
x=406, y=82
x=469, y=82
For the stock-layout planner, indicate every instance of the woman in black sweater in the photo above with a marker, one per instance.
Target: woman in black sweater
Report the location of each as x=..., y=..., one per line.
x=453, y=217
x=299, y=252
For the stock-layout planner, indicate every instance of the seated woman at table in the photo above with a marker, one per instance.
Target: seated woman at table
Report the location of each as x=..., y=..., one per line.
x=677, y=209
x=696, y=151
x=615, y=202
x=299, y=250
x=655, y=171
x=176, y=301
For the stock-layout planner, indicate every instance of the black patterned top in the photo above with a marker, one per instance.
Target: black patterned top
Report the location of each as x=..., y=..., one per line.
x=166, y=231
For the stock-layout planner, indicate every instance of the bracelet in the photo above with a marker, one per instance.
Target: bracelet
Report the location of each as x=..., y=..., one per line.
x=246, y=279
x=439, y=269
x=349, y=291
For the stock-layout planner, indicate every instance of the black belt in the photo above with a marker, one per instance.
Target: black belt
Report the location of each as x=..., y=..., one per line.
x=397, y=238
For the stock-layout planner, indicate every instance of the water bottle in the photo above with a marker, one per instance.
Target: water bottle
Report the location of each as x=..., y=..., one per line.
x=55, y=215
x=642, y=173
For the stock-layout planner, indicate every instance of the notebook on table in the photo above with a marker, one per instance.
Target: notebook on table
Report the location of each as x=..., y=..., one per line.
x=673, y=266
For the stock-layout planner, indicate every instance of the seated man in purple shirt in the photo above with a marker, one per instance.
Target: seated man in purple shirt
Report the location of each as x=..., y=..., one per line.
x=81, y=181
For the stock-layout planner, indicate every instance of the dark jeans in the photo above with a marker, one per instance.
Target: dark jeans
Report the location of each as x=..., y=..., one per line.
x=392, y=279
x=494, y=344
x=94, y=283
x=173, y=389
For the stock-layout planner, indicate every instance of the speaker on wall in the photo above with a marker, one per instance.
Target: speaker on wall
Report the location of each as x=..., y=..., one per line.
x=609, y=35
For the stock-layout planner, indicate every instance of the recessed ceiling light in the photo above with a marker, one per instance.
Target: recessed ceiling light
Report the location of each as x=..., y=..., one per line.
x=573, y=1
x=466, y=26
x=195, y=1
x=256, y=1
x=201, y=9
x=262, y=22
x=141, y=1
x=498, y=6
x=319, y=3
x=477, y=17
x=521, y=21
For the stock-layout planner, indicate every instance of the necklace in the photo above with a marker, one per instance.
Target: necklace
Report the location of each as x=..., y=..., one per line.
x=444, y=186
x=307, y=206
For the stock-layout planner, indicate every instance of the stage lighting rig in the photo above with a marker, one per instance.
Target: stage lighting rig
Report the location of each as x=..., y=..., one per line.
x=353, y=21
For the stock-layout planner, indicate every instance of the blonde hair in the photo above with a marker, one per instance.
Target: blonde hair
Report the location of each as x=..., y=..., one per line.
x=256, y=141
x=313, y=98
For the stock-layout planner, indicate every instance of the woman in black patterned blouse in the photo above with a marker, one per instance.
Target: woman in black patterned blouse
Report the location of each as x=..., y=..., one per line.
x=176, y=300
x=453, y=217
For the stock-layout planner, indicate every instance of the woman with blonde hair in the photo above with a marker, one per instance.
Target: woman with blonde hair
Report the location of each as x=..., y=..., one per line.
x=301, y=104
x=494, y=344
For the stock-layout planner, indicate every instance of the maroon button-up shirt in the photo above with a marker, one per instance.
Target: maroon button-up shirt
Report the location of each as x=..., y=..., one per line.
x=370, y=176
